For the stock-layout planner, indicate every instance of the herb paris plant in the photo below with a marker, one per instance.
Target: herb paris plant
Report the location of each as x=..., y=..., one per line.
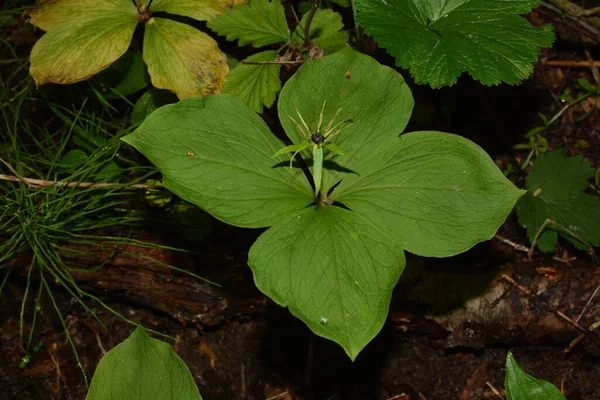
x=430, y=193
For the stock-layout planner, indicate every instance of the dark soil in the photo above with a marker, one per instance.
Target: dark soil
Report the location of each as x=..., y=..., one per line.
x=245, y=347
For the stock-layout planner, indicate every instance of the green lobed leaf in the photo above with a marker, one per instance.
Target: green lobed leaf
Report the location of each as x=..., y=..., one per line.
x=142, y=368
x=51, y=13
x=522, y=386
x=256, y=85
x=183, y=59
x=260, y=22
x=373, y=96
x=442, y=39
x=80, y=48
x=439, y=193
x=334, y=269
x=217, y=153
x=555, y=190
x=326, y=30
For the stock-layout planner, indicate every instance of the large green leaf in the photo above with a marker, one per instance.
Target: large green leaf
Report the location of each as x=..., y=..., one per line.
x=440, y=193
x=255, y=84
x=522, y=386
x=77, y=49
x=202, y=10
x=260, y=22
x=374, y=97
x=142, y=368
x=216, y=152
x=183, y=59
x=556, y=190
x=438, y=40
x=334, y=269
x=50, y=13
x=326, y=30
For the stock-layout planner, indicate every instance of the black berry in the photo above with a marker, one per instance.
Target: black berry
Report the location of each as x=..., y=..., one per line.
x=317, y=138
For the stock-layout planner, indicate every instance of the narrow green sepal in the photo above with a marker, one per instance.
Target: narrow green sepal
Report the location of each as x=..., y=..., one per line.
x=293, y=148
x=337, y=149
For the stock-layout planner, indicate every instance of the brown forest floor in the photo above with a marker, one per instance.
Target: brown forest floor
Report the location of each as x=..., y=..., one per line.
x=451, y=323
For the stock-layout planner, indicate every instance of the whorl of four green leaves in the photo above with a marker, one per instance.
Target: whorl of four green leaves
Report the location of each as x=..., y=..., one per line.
x=431, y=193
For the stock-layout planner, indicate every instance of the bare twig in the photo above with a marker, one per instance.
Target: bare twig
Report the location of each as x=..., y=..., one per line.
x=99, y=342
x=525, y=249
x=277, y=396
x=295, y=16
x=39, y=183
x=494, y=390
x=569, y=320
x=398, y=396
x=574, y=342
x=571, y=64
x=12, y=170
x=588, y=303
x=562, y=381
x=516, y=246
x=567, y=260
x=594, y=326
x=517, y=285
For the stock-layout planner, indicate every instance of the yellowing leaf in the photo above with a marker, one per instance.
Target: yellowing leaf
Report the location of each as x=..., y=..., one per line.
x=76, y=50
x=202, y=10
x=50, y=13
x=183, y=59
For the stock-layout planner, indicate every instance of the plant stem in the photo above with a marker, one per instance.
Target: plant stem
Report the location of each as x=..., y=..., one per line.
x=309, y=18
x=357, y=32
